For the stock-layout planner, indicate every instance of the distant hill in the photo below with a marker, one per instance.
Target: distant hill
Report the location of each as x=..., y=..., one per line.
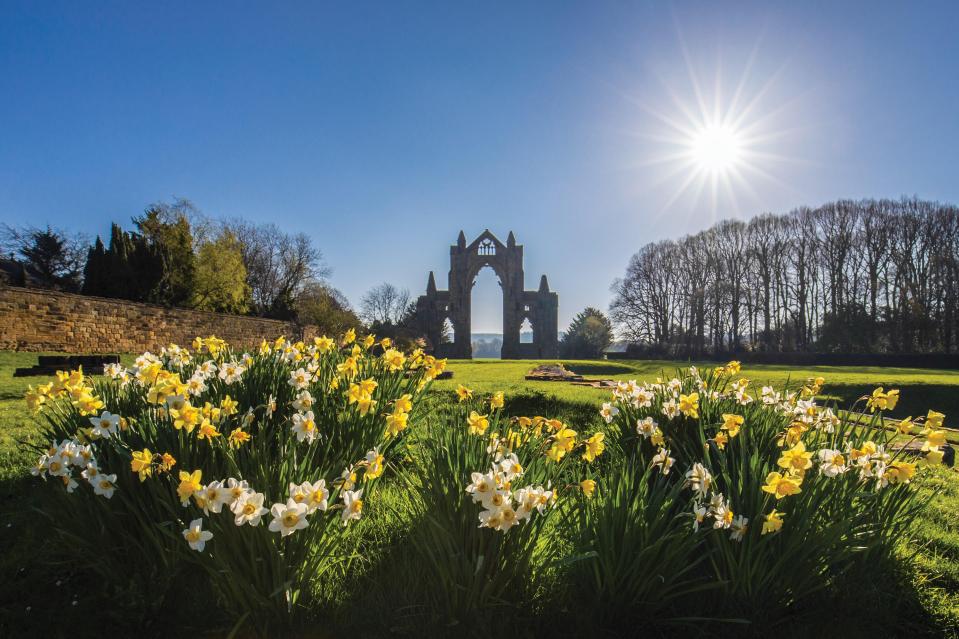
x=491, y=344
x=487, y=344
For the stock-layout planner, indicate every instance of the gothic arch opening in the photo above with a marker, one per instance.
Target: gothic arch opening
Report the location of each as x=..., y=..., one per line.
x=486, y=314
x=449, y=332
x=526, y=332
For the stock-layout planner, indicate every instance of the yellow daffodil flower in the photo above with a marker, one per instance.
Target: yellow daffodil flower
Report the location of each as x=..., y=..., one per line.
x=187, y=417
x=594, y=447
x=782, y=485
x=396, y=423
x=721, y=439
x=689, y=405
x=477, y=423
x=365, y=404
x=773, y=522
x=238, y=437
x=796, y=459
x=229, y=406
x=394, y=359
x=588, y=486
x=323, y=344
x=880, y=400
x=348, y=368
x=207, y=431
x=404, y=404
x=167, y=462
x=189, y=484
x=34, y=398
x=368, y=386
x=934, y=419
x=463, y=393
x=934, y=440
x=732, y=423
x=142, y=463
x=905, y=426
x=900, y=472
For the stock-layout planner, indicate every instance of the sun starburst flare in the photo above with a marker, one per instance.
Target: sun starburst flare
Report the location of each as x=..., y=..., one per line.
x=711, y=144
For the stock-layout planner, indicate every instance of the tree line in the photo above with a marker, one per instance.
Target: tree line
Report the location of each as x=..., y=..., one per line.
x=175, y=256
x=866, y=276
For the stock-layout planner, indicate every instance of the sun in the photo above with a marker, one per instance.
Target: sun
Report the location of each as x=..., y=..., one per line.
x=715, y=149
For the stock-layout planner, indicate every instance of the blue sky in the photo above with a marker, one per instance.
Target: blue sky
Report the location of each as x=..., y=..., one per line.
x=384, y=129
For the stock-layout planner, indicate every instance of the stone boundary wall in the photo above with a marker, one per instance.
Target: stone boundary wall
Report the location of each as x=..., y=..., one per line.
x=42, y=320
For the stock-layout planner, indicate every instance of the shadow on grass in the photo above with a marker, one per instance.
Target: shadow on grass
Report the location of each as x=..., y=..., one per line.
x=397, y=598
x=46, y=591
x=875, y=600
x=599, y=368
x=914, y=400
x=550, y=406
x=580, y=413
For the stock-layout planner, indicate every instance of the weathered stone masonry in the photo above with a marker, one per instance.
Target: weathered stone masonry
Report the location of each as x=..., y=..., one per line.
x=39, y=320
x=540, y=307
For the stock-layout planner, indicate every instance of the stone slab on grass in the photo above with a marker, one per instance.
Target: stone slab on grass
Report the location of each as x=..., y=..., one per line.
x=553, y=373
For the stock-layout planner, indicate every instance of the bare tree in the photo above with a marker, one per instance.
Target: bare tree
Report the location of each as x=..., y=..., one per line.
x=384, y=304
x=279, y=265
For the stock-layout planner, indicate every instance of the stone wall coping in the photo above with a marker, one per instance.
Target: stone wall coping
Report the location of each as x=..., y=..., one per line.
x=42, y=320
x=144, y=305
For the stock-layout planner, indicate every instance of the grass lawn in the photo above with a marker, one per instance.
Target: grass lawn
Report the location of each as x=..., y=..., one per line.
x=930, y=587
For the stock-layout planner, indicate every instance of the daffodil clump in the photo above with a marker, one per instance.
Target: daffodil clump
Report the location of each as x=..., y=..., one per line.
x=250, y=464
x=783, y=493
x=505, y=491
x=487, y=485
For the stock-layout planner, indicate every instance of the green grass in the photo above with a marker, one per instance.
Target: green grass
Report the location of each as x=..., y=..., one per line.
x=927, y=603
x=935, y=576
x=17, y=425
x=488, y=374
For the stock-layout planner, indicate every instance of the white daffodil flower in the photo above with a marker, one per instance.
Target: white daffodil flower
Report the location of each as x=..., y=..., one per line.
x=304, y=427
x=105, y=425
x=288, y=518
x=249, y=509
x=352, y=505
x=105, y=485
x=299, y=379
x=196, y=536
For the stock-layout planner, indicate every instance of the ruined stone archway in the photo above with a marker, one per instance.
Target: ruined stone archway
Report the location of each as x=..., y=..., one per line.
x=540, y=307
